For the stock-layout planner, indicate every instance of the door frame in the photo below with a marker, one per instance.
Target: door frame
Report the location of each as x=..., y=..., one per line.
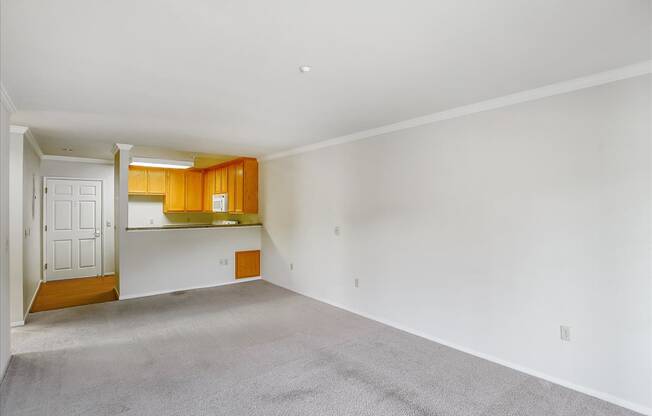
x=44, y=257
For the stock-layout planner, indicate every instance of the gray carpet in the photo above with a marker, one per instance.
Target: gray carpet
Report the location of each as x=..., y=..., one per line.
x=255, y=349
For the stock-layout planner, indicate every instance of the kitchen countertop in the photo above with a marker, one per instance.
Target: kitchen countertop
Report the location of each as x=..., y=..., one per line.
x=191, y=226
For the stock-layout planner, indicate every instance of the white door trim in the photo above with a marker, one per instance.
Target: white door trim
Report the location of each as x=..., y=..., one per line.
x=44, y=217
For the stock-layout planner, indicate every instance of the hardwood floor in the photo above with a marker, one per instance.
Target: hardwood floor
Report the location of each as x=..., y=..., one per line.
x=59, y=294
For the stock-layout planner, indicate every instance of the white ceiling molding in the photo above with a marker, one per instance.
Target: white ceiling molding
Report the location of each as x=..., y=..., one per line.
x=6, y=99
x=27, y=133
x=601, y=78
x=77, y=159
x=32, y=141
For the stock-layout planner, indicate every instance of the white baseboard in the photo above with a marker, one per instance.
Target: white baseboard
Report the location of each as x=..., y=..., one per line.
x=3, y=371
x=17, y=323
x=585, y=390
x=163, y=292
x=32, y=301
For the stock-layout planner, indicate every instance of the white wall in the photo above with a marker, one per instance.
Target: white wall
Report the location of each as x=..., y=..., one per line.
x=32, y=247
x=163, y=261
x=16, y=226
x=5, y=343
x=104, y=172
x=488, y=232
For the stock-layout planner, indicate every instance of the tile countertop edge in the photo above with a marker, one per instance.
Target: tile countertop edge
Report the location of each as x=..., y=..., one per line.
x=193, y=227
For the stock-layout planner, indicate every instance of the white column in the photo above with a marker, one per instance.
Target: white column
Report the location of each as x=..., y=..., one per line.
x=16, y=139
x=121, y=197
x=5, y=334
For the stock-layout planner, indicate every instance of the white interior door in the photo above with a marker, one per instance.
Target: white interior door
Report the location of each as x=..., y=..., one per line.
x=73, y=224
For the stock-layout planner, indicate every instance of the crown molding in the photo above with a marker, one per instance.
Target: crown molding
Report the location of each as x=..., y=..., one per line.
x=6, y=99
x=118, y=147
x=34, y=143
x=77, y=159
x=27, y=133
x=575, y=84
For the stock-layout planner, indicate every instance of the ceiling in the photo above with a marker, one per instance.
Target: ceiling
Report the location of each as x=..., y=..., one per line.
x=222, y=76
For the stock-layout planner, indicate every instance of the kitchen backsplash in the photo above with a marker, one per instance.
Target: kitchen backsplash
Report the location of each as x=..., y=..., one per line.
x=145, y=211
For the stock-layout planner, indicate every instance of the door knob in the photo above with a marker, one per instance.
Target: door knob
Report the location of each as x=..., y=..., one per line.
x=98, y=234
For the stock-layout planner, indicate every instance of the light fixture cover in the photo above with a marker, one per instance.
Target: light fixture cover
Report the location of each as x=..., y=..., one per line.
x=305, y=68
x=161, y=163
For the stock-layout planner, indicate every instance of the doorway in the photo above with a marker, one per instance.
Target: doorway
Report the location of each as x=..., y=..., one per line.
x=72, y=229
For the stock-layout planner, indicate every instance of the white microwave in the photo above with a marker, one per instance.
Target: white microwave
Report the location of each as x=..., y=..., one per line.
x=220, y=203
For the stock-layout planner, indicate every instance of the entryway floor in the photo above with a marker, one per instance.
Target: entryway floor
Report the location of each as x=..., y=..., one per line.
x=59, y=294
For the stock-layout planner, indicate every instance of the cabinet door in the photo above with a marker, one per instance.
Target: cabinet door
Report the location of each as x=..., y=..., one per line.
x=239, y=187
x=231, y=187
x=155, y=181
x=137, y=183
x=250, y=197
x=175, y=195
x=225, y=179
x=194, y=194
x=247, y=264
x=209, y=189
x=218, y=181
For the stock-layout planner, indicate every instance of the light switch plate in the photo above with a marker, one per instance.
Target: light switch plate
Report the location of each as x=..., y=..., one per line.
x=564, y=333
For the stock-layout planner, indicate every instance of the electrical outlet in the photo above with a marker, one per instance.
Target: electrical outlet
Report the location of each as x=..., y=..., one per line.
x=151, y=221
x=564, y=333
x=291, y=266
x=356, y=282
x=336, y=230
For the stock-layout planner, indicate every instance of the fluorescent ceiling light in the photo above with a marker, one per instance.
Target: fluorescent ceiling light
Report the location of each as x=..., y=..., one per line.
x=161, y=163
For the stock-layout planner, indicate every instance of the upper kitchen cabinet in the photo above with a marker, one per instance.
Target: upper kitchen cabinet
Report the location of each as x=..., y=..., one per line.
x=156, y=181
x=183, y=191
x=175, y=192
x=194, y=191
x=242, y=186
x=209, y=188
x=146, y=181
x=137, y=183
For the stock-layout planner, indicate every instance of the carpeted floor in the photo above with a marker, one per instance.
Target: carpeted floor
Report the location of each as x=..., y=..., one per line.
x=255, y=349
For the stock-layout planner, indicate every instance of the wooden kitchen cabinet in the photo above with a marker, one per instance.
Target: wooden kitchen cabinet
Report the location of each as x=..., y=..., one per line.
x=137, y=183
x=175, y=191
x=146, y=181
x=209, y=189
x=220, y=180
x=243, y=186
x=250, y=186
x=156, y=181
x=194, y=191
x=239, y=187
x=230, y=187
x=225, y=180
